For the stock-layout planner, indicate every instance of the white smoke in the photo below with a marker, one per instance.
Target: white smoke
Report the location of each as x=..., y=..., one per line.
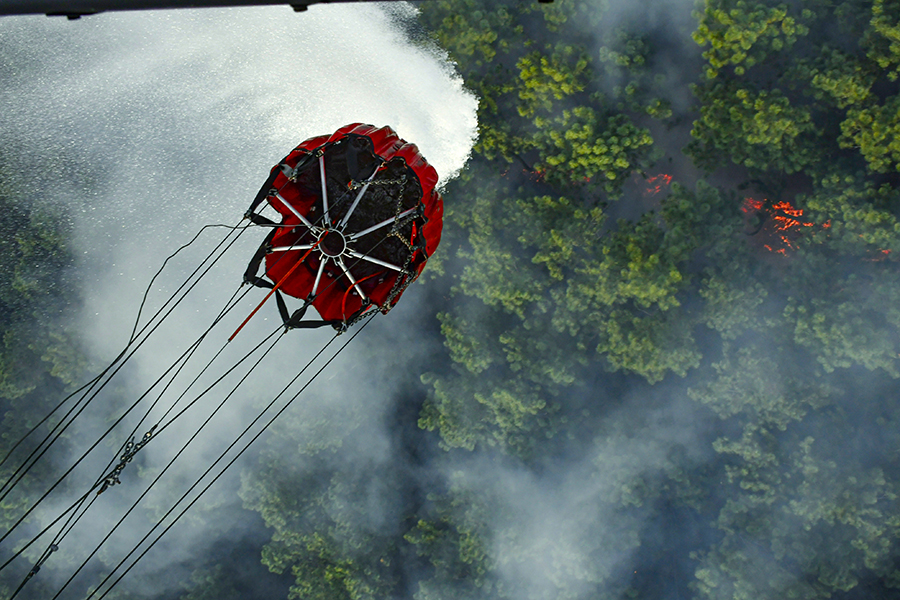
x=171, y=120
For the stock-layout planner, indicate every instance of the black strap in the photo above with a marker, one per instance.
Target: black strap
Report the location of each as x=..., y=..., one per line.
x=295, y=320
x=258, y=219
x=353, y=153
x=263, y=192
x=316, y=324
x=304, y=163
x=253, y=268
x=282, y=309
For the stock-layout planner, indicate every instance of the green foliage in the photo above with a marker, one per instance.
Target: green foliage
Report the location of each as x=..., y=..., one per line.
x=541, y=99
x=33, y=292
x=840, y=76
x=779, y=326
x=841, y=335
x=317, y=534
x=40, y=359
x=795, y=519
x=316, y=486
x=780, y=110
x=611, y=301
x=579, y=147
x=748, y=382
x=859, y=214
x=742, y=34
x=810, y=544
x=875, y=131
x=468, y=414
x=550, y=290
x=547, y=78
x=694, y=373
x=883, y=39
x=758, y=129
x=731, y=305
x=456, y=544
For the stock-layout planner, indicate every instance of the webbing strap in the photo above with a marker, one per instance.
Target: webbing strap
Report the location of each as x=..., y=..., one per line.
x=294, y=321
x=304, y=163
x=258, y=219
x=280, y=168
x=282, y=308
x=316, y=324
x=263, y=192
x=253, y=268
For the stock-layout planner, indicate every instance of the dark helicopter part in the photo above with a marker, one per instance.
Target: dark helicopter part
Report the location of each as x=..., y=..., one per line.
x=74, y=9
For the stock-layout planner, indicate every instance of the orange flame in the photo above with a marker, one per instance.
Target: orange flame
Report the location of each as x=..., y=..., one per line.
x=782, y=225
x=751, y=206
x=781, y=229
x=787, y=218
x=657, y=183
x=880, y=257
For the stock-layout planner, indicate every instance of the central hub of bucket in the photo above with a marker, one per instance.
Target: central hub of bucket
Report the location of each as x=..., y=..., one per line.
x=332, y=243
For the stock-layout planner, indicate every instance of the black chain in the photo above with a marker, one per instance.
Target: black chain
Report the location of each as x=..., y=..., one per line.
x=406, y=277
x=128, y=452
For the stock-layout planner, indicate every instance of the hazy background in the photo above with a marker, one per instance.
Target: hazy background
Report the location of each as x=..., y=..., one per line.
x=147, y=126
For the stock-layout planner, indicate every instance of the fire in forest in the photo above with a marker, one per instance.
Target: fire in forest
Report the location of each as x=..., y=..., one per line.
x=656, y=184
x=778, y=224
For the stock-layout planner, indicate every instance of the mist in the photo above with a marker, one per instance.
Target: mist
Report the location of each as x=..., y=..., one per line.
x=476, y=452
x=144, y=127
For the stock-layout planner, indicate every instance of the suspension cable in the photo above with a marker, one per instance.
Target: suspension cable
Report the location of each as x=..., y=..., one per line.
x=129, y=409
x=229, y=306
x=73, y=519
x=44, y=419
x=130, y=339
x=225, y=468
x=90, y=394
x=70, y=524
x=177, y=455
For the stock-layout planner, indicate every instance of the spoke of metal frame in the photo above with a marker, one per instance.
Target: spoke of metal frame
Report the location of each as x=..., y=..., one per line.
x=356, y=201
x=318, y=277
x=324, y=191
x=374, y=260
x=296, y=247
x=350, y=277
x=309, y=225
x=356, y=236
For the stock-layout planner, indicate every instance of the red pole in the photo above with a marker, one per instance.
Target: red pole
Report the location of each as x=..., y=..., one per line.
x=272, y=291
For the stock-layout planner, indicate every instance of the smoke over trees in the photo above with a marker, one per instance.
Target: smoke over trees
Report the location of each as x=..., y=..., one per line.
x=655, y=377
x=787, y=336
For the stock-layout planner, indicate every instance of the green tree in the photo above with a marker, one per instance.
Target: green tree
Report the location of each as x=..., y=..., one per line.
x=875, y=131
x=742, y=34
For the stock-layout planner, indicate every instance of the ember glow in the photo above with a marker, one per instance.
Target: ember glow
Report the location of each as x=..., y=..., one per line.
x=657, y=183
x=780, y=225
x=787, y=218
x=751, y=206
x=882, y=255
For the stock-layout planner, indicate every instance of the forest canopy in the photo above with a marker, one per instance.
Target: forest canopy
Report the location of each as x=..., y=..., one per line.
x=668, y=303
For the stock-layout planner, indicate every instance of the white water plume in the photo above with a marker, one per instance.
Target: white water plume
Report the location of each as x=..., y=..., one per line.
x=154, y=124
